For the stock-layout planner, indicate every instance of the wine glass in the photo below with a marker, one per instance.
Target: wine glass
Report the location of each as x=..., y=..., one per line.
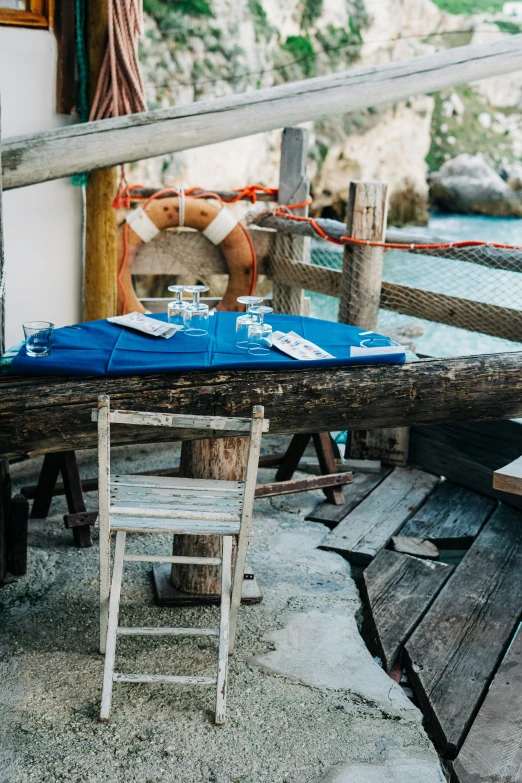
x=196, y=314
x=259, y=333
x=177, y=307
x=244, y=320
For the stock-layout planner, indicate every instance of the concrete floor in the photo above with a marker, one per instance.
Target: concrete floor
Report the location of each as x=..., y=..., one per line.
x=306, y=700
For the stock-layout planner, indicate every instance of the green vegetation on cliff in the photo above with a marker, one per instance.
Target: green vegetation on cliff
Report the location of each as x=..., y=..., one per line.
x=470, y=6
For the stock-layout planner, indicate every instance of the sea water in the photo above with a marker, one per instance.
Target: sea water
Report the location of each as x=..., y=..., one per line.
x=445, y=276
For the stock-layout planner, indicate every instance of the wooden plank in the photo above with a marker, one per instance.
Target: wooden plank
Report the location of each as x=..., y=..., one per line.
x=294, y=188
x=71, y=150
x=415, y=546
x=453, y=310
x=369, y=527
x=468, y=453
x=363, y=484
x=451, y=518
x=453, y=654
x=492, y=750
x=64, y=27
x=398, y=590
x=347, y=398
x=303, y=485
x=509, y=478
x=292, y=457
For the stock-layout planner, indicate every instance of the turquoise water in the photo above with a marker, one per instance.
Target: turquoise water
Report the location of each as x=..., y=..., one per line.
x=446, y=276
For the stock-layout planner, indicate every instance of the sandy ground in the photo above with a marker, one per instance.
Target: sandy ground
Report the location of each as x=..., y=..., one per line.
x=306, y=701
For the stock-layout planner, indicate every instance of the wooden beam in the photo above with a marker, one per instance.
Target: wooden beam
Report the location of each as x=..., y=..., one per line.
x=398, y=590
x=452, y=656
x=429, y=391
x=493, y=748
x=60, y=153
x=100, y=288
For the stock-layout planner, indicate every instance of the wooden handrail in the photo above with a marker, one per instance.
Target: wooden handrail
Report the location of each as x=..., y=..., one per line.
x=73, y=149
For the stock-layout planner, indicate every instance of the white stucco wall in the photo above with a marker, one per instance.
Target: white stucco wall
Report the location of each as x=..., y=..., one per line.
x=42, y=223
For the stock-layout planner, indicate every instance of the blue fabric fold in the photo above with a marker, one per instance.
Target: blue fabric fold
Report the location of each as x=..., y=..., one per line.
x=99, y=348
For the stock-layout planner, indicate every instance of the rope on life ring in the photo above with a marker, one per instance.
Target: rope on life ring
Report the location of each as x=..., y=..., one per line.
x=218, y=224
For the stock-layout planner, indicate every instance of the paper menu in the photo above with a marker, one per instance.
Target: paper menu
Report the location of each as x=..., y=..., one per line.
x=141, y=323
x=298, y=348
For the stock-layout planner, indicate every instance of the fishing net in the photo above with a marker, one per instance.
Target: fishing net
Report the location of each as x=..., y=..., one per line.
x=470, y=290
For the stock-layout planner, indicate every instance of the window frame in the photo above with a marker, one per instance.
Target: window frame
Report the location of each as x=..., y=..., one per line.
x=39, y=14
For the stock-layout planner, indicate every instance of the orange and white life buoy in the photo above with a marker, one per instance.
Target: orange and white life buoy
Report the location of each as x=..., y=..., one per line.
x=219, y=225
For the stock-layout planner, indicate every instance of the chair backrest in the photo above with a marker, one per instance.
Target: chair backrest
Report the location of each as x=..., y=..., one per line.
x=208, y=426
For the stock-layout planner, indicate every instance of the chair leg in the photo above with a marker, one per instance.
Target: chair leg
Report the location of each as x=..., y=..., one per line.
x=224, y=629
x=114, y=608
x=237, y=589
x=105, y=585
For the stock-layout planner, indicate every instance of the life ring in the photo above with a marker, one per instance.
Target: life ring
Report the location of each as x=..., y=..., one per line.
x=218, y=224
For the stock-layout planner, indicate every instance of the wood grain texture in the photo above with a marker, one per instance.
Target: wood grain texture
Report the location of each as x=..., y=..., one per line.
x=294, y=188
x=428, y=391
x=451, y=518
x=398, y=590
x=369, y=527
x=415, y=546
x=492, y=751
x=363, y=484
x=67, y=151
x=467, y=453
x=509, y=478
x=453, y=654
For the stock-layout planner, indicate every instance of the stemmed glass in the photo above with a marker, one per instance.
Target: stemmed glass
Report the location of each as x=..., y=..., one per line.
x=177, y=307
x=259, y=333
x=196, y=314
x=244, y=320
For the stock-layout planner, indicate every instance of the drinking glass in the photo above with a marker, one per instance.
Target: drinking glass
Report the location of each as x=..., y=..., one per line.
x=244, y=320
x=38, y=338
x=196, y=314
x=259, y=339
x=177, y=307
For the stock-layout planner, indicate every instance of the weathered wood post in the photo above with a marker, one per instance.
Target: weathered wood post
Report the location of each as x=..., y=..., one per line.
x=294, y=188
x=359, y=302
x=101, y=258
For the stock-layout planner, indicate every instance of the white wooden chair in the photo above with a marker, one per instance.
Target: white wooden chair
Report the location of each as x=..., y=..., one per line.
x=148, y=504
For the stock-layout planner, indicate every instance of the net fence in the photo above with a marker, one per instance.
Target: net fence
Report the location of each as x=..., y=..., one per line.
x=450, y=301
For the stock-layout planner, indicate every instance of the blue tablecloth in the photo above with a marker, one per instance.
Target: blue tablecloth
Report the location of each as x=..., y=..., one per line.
x=99, y=348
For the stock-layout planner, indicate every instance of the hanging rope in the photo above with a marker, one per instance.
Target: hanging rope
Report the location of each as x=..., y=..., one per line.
x=120, y=87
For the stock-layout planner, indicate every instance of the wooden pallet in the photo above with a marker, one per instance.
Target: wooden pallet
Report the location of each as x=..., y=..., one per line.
x=398, y=590
x=453, y=654
x=493, y=748
x=367, y=530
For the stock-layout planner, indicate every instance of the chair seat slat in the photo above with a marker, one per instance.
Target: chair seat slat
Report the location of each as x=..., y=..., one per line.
x=164, y=631
x=177, y=483
x=184, y=512
x=145, y=495
x=188, y=526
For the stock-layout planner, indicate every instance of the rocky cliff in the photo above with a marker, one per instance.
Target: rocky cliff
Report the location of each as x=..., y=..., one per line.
x=196, y=49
